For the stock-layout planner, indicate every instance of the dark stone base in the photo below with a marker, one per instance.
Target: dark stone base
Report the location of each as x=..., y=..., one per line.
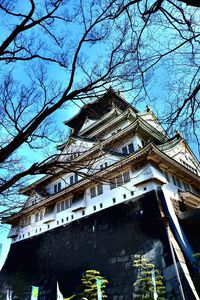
x=105, y=241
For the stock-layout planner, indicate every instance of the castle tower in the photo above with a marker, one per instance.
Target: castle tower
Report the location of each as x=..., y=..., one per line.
x=119, y=189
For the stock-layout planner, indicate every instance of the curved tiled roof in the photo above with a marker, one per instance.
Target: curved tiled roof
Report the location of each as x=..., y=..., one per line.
x=97, y=109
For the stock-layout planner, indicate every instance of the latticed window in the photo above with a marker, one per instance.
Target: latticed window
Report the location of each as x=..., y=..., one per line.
x=62, y=205
x=71, y=180
x=37, y=217
x=174, y=180
x=99, y=189
x=166, y=175
x=130, y=148
x=65, y=204
x=126, y=176
x=112, y=183
x=57, y=187
x=93, y=192
x=96, y=190
x=28, y=220
x=125, y=150
x=178, y=183
x=119, y=180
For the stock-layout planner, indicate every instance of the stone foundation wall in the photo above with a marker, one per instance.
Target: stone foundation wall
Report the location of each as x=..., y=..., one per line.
x=106, y=241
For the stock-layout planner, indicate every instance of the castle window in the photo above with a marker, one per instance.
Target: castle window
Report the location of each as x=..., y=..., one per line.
x=130, y=148
x=58, y=207
x=41, y=215
x=194, y=170
x=65, y=204
x=166, y=175
x=57, y=187
x=178, y=183
x=119, y=180
x=71, y=180
x=62, y=205
x=26, y=221
x=174, y=180
x=93, y=192
x=96, y=190
x=36, y=217
x=100, y=189
x=186, y=186
x=112, y=183
x=76, y=178
x=124, y=150
x=126, y=176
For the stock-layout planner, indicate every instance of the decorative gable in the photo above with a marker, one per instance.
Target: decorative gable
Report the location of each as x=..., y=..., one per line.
x=181, y=153
x=151, y=119
x=75, y=147
x=87, y=124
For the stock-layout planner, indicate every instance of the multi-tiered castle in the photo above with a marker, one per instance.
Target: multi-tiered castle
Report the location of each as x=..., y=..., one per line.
x=124, y=188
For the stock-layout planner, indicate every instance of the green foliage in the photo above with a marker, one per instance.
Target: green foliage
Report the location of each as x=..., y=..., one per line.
x=88, y=287
x=197, y=256
x=145, y=284
x=20, y=284
x=73, y=297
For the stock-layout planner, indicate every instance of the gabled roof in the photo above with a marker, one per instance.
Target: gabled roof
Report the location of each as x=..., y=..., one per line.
x=173, y=147
x=151, y=118
x=97, y=109
x=112, y=114
x=74, y=138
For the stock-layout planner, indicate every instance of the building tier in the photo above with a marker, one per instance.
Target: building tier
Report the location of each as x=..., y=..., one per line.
x=114, y=154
